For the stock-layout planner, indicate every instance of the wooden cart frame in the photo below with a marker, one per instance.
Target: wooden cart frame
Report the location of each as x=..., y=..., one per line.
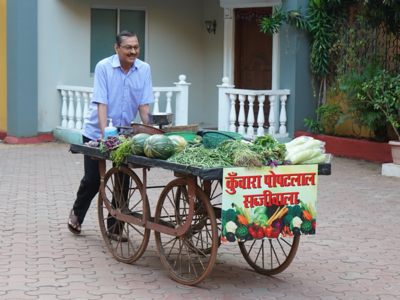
x=186, y=220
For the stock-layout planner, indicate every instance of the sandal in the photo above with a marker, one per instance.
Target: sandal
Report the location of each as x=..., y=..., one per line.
x=73, y=224
x=118, y=238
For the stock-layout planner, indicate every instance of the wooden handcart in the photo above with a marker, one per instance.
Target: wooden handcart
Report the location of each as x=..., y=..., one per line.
x=186, y=220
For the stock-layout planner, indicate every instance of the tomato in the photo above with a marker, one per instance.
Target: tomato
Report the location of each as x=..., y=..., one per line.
x=314, y=224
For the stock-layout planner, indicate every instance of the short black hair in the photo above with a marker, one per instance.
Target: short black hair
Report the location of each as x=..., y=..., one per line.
x=124, y=33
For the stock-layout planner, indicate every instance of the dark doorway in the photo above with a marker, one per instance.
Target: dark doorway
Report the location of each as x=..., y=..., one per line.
x=253, y=56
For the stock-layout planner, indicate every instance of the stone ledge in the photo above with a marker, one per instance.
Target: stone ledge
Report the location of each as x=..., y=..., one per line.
x=391, y=170
x=40, y=138
x=3, y=134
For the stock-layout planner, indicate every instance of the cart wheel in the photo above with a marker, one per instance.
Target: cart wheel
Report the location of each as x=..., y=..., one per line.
x=213, y=189
x=182, y=256
x=126, y=241
x=270, y=256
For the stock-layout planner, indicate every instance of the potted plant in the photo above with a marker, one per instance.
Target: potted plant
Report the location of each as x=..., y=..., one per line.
x=383, y=92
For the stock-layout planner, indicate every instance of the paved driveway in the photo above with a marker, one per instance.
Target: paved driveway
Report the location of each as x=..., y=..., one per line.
x=354, y=255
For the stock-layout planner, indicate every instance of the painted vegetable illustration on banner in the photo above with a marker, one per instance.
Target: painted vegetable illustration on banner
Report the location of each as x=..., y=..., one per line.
x=262, y=203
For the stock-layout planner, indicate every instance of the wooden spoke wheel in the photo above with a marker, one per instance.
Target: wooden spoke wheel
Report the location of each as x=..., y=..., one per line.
x=270, y=256
x=126, y=241
x=213, y=190
x=182, y=256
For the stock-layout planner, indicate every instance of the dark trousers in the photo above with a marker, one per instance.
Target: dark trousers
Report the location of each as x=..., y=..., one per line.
x=89, y=187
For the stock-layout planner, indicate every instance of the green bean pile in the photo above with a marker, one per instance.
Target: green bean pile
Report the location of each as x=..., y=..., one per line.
x=229, y=153
x=202, y=157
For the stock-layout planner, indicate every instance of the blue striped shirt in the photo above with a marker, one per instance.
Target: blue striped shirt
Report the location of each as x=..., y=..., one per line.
x=122, y=92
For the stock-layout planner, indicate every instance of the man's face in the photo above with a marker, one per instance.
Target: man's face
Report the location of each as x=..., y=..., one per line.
x=126, y=51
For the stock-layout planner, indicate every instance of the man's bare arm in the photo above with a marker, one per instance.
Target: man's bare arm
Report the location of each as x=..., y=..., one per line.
x=102, y=115
x=143, y=111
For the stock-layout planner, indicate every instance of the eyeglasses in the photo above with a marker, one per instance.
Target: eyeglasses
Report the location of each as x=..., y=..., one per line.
x=129, y=48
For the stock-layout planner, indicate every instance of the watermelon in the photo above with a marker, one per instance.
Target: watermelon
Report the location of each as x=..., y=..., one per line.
x=178, y=141
x=137, y=143
x=158, y=146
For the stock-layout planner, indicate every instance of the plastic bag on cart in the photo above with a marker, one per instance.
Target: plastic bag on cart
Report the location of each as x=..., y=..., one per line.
x=306, y=154
x=313, y=143
x=298, y=141
x=323, y=158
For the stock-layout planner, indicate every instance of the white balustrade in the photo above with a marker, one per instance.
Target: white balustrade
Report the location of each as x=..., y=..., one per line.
x=260, y=117
x=72, y=113
x=271, y=117
x=232, y=116
x=227, y=114
x=78, y=114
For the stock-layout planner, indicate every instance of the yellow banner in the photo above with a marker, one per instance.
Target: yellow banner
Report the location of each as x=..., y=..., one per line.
x=269, y=202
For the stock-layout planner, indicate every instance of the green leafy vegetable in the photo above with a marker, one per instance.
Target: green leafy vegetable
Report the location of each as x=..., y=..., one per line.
x=306, y=226
x=241, y=232
x=119, y=155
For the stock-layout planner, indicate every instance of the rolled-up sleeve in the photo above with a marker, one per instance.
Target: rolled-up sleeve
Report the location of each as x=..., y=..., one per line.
x=100, y=89
x=147, y=96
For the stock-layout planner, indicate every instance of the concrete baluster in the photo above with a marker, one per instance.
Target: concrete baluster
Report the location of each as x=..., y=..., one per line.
x=64, y=109
x=241, y=118
x=71, y=110
x=260, y=117
x=250, y=116
x=78, y=113
x=283, y=116
x=156, y=109
x=168, y=108
x=271, y=118
x=232, y=115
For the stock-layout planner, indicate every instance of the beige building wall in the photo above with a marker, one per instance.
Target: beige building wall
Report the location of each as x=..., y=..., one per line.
x=177, y=43
x=3, y=65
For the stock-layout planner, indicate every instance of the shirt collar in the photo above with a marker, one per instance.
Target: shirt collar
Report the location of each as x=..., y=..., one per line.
x=116, y=63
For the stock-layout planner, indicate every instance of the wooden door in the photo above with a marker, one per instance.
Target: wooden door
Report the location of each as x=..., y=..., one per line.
x=253, y=57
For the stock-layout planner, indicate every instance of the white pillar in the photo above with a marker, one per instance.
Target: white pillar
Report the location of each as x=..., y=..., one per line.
x=78, y=113
x=250, y=116
x=156, y=109
x=283, y=117
x=241, y=118
x=271, y=118
x=224, y=105
x=168, y=109
x=228, y=56
x=232, y=114
x=71, y=110
x=64, y=109
x=182, y=102
x=260, y=117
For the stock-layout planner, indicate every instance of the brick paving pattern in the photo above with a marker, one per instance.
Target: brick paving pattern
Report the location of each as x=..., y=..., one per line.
x=354, y=255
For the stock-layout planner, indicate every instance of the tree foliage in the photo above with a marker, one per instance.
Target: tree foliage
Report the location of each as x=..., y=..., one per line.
x=382, y=12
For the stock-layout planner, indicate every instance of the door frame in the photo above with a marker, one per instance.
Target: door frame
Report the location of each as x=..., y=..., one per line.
x=229, y=36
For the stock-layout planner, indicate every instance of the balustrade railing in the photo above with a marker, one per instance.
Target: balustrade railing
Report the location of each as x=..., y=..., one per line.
x=76, y=100
x=228, y=116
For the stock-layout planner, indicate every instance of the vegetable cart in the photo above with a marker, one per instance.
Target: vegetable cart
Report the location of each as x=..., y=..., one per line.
x=186, y=220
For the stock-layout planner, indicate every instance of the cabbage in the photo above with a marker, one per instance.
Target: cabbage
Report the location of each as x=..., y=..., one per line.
x=298, y=141
x=316, y=160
